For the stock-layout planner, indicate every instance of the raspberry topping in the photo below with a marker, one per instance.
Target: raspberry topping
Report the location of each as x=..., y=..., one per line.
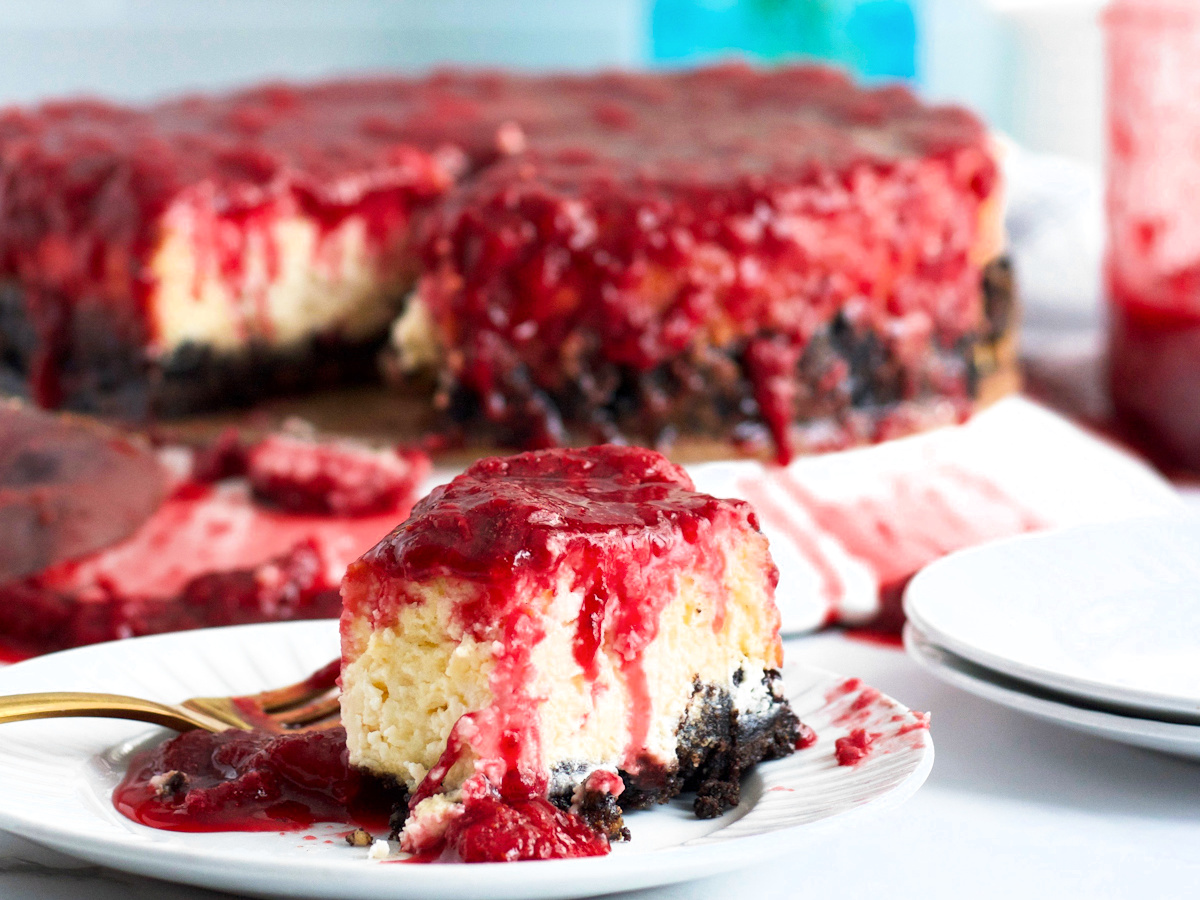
x=339, y=479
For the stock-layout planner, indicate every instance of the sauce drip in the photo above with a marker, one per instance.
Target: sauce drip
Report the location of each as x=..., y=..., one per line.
x=871, y=722
x=854, y=747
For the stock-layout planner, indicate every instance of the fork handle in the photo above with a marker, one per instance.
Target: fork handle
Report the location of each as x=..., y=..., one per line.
x=17, y=707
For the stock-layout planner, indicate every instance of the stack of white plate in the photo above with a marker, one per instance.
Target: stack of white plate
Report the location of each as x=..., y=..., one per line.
x=1096, y=628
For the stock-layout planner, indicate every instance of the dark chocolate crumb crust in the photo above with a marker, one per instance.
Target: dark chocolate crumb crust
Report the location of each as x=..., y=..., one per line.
x=99, y=365
x=603, y=814
x=717, y=745
x=845, y=371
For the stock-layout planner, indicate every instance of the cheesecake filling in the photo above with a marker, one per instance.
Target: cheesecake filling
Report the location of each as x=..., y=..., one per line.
x=275, y=277
x=552, y=678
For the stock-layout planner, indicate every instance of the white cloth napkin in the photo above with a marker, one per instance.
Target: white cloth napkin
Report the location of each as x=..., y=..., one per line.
x=848, y=529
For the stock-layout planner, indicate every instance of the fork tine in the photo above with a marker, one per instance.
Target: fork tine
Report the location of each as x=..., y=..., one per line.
x=311, y=703
x=310, y=715
x=299, y=694
x=221, y=709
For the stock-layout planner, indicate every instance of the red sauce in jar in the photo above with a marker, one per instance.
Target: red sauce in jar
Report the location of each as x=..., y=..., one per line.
x=1154, y=375
x=1153, y=253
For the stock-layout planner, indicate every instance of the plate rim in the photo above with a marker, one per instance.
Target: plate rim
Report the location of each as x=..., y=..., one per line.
x=200, y=866
x=1086, y=689
x=939, y=661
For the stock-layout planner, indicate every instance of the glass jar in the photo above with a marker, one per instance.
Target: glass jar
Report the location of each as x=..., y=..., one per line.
x=1152, y=265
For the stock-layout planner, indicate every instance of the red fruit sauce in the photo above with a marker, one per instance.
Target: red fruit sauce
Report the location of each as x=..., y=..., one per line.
x=731, y=207
x=253, y=781
x=515, y=824
x=256, y=781
x=854, y=747
x=880, y=637
x=335, y=479
x=872, y=722
x=1154, y=374
x=652, y=215
x=35, y=617
x=1152, y=263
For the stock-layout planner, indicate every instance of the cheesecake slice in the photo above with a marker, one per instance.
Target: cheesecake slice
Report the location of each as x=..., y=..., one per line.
x=574, y=630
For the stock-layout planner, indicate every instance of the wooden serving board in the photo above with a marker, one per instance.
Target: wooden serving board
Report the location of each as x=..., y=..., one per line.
x=381, y=415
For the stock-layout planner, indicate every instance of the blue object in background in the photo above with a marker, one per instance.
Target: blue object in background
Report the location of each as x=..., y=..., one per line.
x=876, y=39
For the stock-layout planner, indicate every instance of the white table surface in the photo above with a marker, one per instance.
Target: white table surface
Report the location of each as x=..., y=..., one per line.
x=1014, y=808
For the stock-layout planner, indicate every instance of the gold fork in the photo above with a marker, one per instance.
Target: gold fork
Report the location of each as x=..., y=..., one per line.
x=304, y=706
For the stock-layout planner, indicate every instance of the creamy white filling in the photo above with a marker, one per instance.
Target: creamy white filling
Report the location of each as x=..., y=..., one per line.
x=414, y=338
x=293, y=280
x=428, y=822
x=405, y=686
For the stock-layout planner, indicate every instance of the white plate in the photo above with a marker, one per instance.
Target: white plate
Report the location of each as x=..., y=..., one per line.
x=1168, y=737
x=56, y=778
x=1107, y=613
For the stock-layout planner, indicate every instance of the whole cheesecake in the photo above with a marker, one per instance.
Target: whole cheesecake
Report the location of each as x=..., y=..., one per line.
x=765, y=257
x=561, y=635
